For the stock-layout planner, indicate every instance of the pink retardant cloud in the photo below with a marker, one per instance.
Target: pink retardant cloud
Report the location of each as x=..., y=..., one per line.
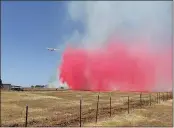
x=116, y=67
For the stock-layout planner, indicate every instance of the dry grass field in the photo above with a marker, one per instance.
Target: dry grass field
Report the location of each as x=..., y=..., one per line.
x=61, y=108
x=159, y=115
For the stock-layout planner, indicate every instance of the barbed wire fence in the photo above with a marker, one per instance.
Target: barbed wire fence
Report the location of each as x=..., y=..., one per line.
x=128, y=103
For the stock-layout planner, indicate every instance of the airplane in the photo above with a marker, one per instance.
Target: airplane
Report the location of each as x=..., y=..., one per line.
x=52, y=49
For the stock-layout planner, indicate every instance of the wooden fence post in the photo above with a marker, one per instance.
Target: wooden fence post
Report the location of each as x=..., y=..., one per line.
x=97, y=109
x=141, y=100
x=167, y=96
x=80, y=112
x=128, y=104
x=26, y=116
x=171, y=95
x=110, y=106
x=159, y=98
x=163, y=96
x=150, y=99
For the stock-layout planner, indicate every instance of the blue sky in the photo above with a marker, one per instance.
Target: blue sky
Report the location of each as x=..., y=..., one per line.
x=27, y=29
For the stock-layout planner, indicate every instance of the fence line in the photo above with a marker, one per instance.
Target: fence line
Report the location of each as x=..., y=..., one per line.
x=149, y=102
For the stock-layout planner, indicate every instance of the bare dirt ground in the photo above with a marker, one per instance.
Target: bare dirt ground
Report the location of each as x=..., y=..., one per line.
x=61, y=108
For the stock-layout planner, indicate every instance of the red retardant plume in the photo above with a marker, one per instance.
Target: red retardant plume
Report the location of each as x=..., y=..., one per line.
x=116, y=67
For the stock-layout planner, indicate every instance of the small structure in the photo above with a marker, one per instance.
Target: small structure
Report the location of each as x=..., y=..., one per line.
x=6, y=86
x=16, y=88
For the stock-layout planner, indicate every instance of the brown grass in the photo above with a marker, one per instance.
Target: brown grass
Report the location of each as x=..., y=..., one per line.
x=159, y=115
x=61, y=108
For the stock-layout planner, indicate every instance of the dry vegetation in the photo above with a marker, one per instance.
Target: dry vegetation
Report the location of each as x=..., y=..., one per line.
x=61, y=108
x=159, y=115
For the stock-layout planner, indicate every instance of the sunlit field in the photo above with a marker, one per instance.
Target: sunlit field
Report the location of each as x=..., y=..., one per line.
x=61, y=108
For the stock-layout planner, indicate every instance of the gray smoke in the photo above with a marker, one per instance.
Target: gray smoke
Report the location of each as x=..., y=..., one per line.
x=133, y=21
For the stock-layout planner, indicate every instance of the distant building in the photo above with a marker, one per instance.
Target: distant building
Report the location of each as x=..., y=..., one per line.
x=16, y=88
x=6, y=86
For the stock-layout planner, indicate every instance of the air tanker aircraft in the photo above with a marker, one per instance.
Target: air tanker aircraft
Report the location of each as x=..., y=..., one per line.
x=52, y=49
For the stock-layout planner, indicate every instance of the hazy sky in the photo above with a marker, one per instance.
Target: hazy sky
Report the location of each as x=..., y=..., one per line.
x=29, y=27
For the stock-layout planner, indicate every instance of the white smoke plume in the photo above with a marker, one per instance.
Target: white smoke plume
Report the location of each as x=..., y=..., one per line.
x=149, y=21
